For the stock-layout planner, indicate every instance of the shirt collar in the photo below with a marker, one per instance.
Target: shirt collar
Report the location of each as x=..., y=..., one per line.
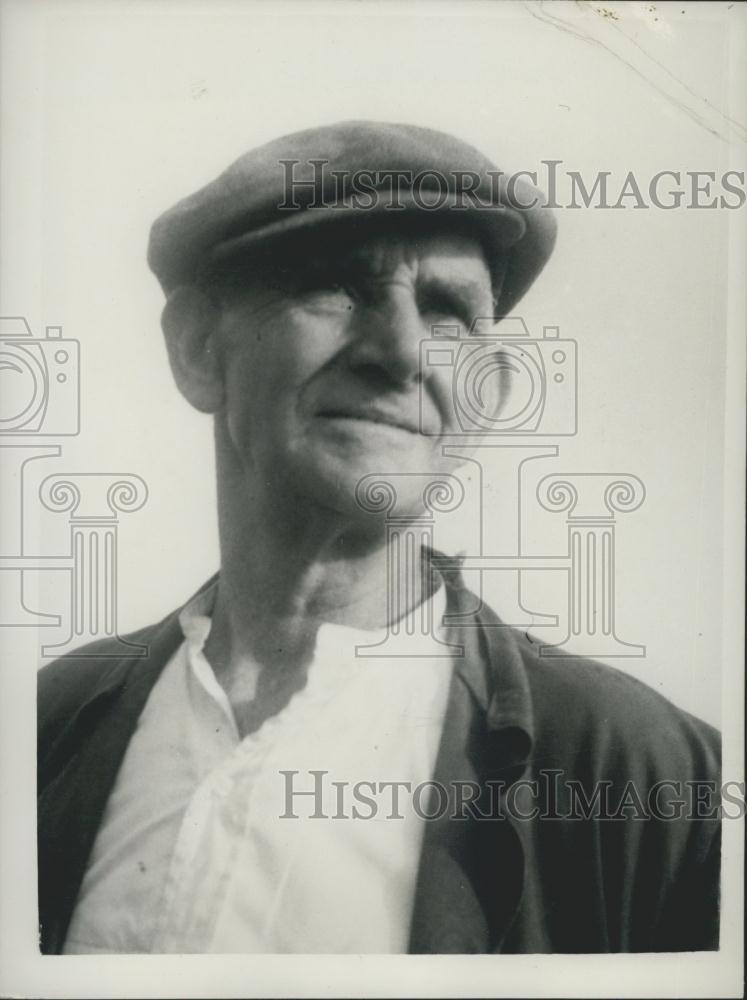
x=195, y=620
x=491, y=664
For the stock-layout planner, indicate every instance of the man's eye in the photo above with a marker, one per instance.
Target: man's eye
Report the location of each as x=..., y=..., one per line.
x=329, y=292
x=445, y=307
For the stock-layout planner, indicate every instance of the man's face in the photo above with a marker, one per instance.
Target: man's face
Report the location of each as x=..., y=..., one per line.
x=321, y=359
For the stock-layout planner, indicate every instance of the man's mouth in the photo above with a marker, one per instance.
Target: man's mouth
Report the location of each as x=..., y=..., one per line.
x=373, y=415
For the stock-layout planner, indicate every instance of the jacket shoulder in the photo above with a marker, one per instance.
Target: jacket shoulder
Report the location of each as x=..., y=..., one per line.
x=593, y=708
x=67, y=683
x=61, y=682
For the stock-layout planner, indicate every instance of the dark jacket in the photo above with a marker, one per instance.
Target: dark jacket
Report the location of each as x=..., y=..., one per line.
x=489, y=880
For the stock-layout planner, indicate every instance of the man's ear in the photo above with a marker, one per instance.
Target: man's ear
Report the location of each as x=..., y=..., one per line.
x=189, y=321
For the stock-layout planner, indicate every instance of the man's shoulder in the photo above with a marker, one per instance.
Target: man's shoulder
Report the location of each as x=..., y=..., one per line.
x=68, y=682
x=593, y=707
x=81, y=664
x=71, y=679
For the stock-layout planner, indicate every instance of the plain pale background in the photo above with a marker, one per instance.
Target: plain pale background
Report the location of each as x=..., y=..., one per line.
x=121, y=108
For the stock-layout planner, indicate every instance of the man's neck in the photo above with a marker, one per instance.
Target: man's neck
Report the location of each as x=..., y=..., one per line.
x=287, y=568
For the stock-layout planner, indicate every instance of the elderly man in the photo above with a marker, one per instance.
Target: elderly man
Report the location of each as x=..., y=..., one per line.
x=199, y=799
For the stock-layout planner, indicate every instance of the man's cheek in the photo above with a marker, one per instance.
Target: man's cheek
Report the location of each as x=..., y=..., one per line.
x=438, y=404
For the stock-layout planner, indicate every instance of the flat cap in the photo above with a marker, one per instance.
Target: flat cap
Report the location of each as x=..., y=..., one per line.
x=351, y=173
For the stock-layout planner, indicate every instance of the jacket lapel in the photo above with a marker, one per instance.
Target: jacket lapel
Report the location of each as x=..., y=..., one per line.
x=77, y=772
x=471, y=874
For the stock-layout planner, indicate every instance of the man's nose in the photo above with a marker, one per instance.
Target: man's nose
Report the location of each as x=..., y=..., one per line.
x=389, y=330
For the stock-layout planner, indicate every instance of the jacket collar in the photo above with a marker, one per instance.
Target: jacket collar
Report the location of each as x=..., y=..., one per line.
x=492, y=667
x=470, y=879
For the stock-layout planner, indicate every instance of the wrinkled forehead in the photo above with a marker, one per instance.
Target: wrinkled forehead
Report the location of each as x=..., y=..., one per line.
x=386, y=254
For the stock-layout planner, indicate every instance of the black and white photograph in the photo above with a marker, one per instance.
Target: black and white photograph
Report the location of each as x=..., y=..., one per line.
x=372, y=461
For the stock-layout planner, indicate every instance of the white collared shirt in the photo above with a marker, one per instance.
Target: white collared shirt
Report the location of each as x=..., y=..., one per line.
x=198, y=850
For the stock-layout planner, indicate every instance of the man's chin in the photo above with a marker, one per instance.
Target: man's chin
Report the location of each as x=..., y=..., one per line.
x=347, y=482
